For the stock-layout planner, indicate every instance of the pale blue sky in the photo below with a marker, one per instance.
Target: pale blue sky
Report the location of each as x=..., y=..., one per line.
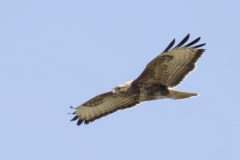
x=60, y=53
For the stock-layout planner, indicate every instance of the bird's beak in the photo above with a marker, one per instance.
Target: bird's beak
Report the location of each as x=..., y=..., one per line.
x=113, y=90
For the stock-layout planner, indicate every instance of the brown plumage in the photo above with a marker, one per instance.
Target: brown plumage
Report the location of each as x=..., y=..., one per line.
x=156, y=82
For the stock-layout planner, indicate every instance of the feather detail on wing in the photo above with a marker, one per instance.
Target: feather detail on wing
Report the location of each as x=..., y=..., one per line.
x=171, y=67
x=101, y=106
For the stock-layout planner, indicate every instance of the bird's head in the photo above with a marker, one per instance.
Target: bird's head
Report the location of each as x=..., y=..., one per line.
x=122, y=88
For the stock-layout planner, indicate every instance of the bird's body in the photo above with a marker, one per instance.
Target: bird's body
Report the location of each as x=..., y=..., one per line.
x=152, y=92
x=156, y=82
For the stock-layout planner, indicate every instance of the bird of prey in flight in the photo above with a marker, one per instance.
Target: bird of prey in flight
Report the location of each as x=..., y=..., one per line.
x=157, y=81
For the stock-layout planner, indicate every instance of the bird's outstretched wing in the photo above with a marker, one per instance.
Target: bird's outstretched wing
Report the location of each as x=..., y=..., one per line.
x=172, y=66
x=101, y=106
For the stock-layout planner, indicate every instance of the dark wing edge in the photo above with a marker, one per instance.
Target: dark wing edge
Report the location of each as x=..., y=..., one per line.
x=169, y=46
x=186, y=46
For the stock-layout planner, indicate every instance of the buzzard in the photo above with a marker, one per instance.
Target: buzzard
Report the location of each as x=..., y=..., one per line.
x=157, y=81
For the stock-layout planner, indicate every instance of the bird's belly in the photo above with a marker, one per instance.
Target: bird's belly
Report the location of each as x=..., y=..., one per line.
x=151, y=97
x=153, y=93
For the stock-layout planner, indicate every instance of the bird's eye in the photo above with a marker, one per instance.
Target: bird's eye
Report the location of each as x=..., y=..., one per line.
x=119, y=88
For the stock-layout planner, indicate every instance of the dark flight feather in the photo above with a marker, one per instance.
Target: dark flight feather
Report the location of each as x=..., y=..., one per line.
x=182, y=42
x=169, y=46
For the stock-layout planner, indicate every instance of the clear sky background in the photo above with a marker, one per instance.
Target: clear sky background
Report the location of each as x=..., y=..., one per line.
x=56, y=53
